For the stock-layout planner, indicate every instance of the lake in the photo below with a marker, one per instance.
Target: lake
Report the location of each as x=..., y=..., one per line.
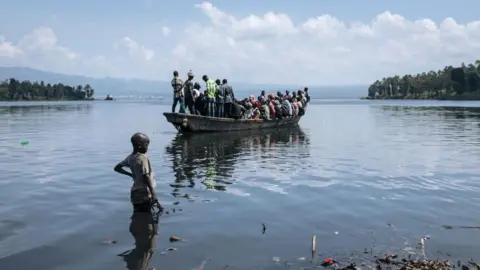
x=366, y=177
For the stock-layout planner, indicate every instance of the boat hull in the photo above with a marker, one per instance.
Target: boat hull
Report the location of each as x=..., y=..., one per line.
x=199, y=123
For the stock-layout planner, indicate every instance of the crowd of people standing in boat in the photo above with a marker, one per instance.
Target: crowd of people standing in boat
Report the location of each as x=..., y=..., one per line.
x=218, y=100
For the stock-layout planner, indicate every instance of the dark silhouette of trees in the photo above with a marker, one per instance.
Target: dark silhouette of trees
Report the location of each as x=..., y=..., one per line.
x=13, y=89
x=453, y=83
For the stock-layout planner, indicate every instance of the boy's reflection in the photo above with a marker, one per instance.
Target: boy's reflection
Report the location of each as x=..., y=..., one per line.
x=144, y=229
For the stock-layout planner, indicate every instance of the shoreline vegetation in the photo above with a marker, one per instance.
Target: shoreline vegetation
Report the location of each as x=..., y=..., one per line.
x=15, y=90
x=449, y=83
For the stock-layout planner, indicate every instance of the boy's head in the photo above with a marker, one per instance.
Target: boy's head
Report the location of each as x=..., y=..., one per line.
x=140, y=142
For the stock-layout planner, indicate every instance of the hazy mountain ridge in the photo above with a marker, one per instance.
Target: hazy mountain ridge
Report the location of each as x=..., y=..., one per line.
x=118, y=86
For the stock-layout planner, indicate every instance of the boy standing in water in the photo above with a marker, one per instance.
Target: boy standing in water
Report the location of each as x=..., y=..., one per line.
x=142, y=194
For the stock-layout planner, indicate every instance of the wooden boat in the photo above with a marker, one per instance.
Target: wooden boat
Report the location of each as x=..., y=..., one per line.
x=199, y=123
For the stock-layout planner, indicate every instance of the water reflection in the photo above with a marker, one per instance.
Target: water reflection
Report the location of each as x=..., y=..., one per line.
x=144, y=229
x=211, y=158
x=449, y=118
x=449, y=112
x=42, y=108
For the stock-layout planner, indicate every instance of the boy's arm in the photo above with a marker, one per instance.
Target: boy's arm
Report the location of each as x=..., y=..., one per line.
x=119, y=168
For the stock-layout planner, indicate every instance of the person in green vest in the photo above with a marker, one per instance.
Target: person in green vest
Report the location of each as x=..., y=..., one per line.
x=211, y=90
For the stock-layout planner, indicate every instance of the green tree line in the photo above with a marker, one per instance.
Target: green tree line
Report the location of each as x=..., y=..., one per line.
x=13, y=89
x=448, y=83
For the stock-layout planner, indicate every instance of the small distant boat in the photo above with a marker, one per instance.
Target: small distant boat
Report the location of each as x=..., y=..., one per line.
x=197, y=123
x=108, y=97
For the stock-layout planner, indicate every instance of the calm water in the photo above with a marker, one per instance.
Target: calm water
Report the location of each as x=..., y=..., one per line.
x=359, y=175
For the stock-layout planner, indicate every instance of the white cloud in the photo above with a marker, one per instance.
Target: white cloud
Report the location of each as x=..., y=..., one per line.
x=267, y=48
x=7, y=49
x=134, y=49
x=165, y=31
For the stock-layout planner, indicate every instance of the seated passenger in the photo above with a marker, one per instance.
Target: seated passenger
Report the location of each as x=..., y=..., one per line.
x=264, y=110
x=255, y=114
x=237, y=110
x=287, y=108
x=278, y=108
x=248, y=110
x=294, y=107
x=271, y=106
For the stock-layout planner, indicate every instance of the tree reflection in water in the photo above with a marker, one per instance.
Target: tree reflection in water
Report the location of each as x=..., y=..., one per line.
x=210, y=158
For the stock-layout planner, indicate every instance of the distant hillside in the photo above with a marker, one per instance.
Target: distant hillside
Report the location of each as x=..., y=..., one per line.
x=124, y=87
x=102, y=86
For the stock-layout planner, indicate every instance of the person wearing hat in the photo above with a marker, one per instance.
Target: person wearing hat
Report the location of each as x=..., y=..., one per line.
x=177, y=85
x=188, y=91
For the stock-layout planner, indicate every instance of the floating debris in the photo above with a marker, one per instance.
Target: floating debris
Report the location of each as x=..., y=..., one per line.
x=413, y=264
x=448, y=227
x=167, y=250
x=175, y=238
x=422, y=241
x=109, y=242
x=276, y=259
x=474, y=264
x=264, y=228
x=336, y=232
x=301, y=259
x=350, y=266
x=202, y=265
x=328, y=262
x=24, y=143
x=314, y=246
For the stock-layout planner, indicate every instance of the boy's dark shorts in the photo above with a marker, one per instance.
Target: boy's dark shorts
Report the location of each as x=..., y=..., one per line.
x=141, y=200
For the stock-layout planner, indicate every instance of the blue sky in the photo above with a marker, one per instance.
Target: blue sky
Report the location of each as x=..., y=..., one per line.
x=91, y=27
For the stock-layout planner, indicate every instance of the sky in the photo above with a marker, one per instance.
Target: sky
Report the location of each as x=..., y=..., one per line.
x=320, y=42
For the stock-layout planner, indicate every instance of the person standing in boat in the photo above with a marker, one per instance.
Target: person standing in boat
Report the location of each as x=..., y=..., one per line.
x=219, y=99
x=198, y=104
x=307, y=95
x=229, y=97
x=188, y=92
x=211, y=90
x=177, y=85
